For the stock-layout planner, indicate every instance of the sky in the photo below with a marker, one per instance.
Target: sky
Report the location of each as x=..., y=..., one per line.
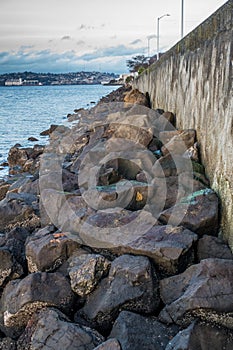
x=91, y=35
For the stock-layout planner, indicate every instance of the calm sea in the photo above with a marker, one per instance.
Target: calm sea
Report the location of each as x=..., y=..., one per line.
x=27, y=110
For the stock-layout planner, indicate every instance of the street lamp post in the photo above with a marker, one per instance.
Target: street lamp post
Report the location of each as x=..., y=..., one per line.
x=158, y=19
x=182, y=19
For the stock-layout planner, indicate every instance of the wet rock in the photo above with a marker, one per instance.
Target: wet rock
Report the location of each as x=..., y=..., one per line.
x=21, y=298
x=171, y=248
x=198, y=212
x=32, y=139
x=213, y=247
x=136, y=332
x=130, y=285
x=202, y=336
x=49, y=131
x=135, y=96
x=86, y=271
x=110, y=344
x=203, y=291
x=50, y=329
x=9, y=268
x=46, y=251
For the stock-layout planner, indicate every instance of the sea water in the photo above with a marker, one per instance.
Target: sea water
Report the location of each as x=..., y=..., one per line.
x=25, y=111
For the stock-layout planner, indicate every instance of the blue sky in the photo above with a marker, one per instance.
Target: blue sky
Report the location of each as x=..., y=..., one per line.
x=72, y=35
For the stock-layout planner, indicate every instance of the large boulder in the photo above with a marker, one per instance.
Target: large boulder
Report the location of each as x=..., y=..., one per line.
x=21, y=298
x=170, y=248
x=130, y=285
x=17, y=210
x=198, y=212
x=203, y=291
x=136, y=332
x=213, y=247
x=135, y=96
x=202, y=336
x=46, y=251
x=51, y=329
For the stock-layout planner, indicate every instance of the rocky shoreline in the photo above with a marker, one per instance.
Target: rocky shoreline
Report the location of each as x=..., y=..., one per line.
x=109, y=237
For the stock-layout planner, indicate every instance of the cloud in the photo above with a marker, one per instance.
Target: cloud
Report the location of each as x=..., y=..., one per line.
x=80, y=42
x=85, y=27
x=137, y=41
x=113, y=59
x=114, y=51
x=66, y=37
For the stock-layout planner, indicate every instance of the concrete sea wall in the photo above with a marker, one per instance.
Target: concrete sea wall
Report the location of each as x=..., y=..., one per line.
x=194, y=80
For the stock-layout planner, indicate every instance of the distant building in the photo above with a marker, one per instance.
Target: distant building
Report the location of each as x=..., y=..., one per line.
x=31, y=82
x=125, y=76
x=14, y=82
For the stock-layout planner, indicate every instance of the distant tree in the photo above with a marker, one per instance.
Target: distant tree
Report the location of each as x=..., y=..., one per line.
x=137, y=62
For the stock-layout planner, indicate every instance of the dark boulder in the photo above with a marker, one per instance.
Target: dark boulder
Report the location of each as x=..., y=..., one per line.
x=213, y=247
x=21, y=298
x=202, y=336
x=46, y=251
x=137, y=332
x=170, y=248
x=198, y=212
x=203, y=291
x=51, y=329
x=130, y=285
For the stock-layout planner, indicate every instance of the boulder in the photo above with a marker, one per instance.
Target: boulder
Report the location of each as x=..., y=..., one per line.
x=137, y=97
x=21, y=298
x=198, y=212
x=14, y=211
x=86, y=271
x=110, y=344
x=170, y=248
x=213, y=247
x=130, y=285
x=9, y=268
x=15, y=242
x=51, y=329
x=46, y=251
x=203, y=291
x=202, y=336
x=137, y=332
x=180, y=142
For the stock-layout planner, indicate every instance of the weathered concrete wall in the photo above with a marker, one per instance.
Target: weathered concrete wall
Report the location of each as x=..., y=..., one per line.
x=194, y=80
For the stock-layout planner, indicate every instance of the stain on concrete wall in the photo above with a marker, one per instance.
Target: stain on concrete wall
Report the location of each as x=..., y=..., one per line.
x=194, y=80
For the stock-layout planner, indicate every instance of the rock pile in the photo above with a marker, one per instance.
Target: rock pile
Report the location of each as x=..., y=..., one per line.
x=109, y=238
